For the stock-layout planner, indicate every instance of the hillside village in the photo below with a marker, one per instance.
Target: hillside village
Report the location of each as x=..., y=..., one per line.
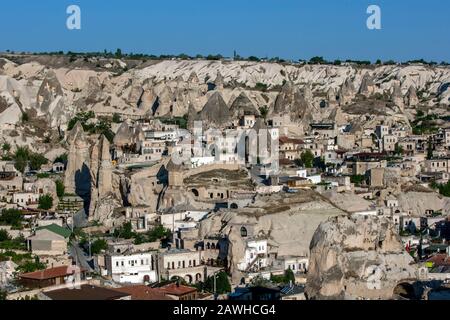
x=220, y=179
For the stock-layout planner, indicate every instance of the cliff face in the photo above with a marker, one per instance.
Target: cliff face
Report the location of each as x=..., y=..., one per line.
x=287, y=222
x=357, y=257
x=51, y=90
x=77, y=176
x=101, y=177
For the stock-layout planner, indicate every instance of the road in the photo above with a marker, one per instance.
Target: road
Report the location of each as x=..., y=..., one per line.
x=80, y=256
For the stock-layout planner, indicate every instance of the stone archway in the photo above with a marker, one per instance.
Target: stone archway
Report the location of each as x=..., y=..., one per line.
x=405, y=290
x=188, y=278
x=198, y=277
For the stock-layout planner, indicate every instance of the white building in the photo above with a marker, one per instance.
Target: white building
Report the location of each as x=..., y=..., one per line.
x=136, y=268
x=315, y=179
x=255, y=256
x=25, y=198
x=296, y=264
x=185, y=219
x=201, y=161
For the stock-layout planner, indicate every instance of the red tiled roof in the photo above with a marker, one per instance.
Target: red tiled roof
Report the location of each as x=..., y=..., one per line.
x=177, y=290
x=87, y=292
x=440, y=260
x=50, y=273
x=141, y=292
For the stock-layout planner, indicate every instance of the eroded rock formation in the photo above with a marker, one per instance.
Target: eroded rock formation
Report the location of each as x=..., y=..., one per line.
x=358, y=257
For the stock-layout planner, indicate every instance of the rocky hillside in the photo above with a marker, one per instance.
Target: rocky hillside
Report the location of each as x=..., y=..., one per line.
x=357, y=257
x=39, y=95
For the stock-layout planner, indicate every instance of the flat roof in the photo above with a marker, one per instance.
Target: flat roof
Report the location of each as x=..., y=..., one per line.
x=87, y=292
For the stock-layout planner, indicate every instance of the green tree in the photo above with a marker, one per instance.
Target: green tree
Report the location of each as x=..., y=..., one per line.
x=125, y=232
x=6, y=147
x=357, y=179
x=307, y=158
x=62, y=158
x=25, y=117
x=3, y=295
x=21, y=157
x=158, y=233
x=264, y=111
x=289, y=276
x=222, y=283
x=317, y=60
x=60, y=188
x=98, y=245
x=261, y=86
x=4, y=235
x=45, y=202
x=31, y=266
x=118, y=54
x=399, y=149
x=36, y=161
x=11, y=217
x=116, y=118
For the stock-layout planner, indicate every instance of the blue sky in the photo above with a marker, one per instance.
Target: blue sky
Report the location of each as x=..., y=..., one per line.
x=293, y=29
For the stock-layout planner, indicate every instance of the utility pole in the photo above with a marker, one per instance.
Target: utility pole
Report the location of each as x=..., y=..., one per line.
x=215, y=289
x=89, y=235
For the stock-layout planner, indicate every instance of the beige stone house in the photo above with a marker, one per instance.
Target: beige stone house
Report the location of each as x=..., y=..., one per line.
x=49, y=240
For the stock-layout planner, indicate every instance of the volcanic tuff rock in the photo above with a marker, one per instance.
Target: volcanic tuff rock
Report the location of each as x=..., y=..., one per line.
x=48, y=186
x=367, y=86
x=357, y=257
x=397, y=96
x=347, y=92
x=287, y=221
x=215, y=113
x=242, y=105
x=419, y=202
x=411, y=97
x=78, y=176
x=101, y=174
x=331, y=97
x=49, y=90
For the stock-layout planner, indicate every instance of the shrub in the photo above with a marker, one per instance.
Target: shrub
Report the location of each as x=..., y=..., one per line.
x=307, y=158
x=45, y=202
x=261, y=86
x=11, y=217
x=4, y=235
x=222, y=283
x=98, y=245
x=60, y=188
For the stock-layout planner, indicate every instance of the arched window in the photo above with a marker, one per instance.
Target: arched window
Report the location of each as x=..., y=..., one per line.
x=243, y=232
